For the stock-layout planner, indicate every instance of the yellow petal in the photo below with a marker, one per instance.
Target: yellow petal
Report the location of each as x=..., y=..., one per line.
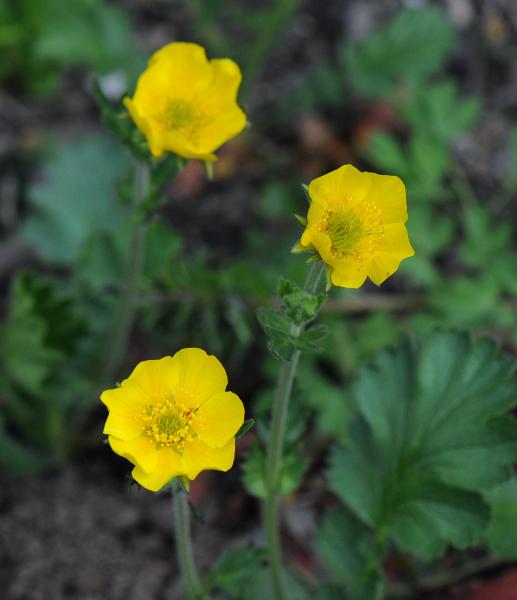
x=201, y=374
x=169, y=464
x=388, y=193
x=185, y=66
x=395, y=247
x=126, y=405
x=316, y=212
x=218, y=419
x=341, y=187
x=155, y=378
x=350, y=276
x=124, y=425
x=382, y=266
x=144, y=125
x=320, y=241
x=221, y=93
x=198, y=457
x=396, y=241
x=140, y=451
x=179, y=142
x=221, y=128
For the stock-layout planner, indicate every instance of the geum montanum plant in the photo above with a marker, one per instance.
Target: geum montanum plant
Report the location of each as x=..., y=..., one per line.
x=173, y=418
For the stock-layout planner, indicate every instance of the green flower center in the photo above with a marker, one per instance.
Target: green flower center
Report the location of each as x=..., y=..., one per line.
x=180, y=114
x=345, y=230
x=168, y=424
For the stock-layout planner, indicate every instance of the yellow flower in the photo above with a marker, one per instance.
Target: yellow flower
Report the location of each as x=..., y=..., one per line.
x=356, y=225
x=172, y=417
x=185, y=104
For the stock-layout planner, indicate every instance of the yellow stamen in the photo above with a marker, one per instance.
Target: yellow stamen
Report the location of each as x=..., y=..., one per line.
x=168, y=424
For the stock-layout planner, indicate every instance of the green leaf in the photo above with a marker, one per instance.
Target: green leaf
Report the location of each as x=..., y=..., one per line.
x=27, y=356
x=465, y=300
x=329, y=403
x=488, y=242
x=310, y=340
x=65, y=33
x=77, y=200
x=429, y=160
x=387, y=154
x=429, y=439
x=254, y=472
x=245, y=427
x=348, y=549
x=235, y=568
x=437, y=110
x=300, y=306
x=503, y=519
x=277, y=327
x=411, y=47
x=18, y=458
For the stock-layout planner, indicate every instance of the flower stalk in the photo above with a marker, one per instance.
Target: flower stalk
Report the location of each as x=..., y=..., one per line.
x=189, y=573
x=129, y=301
x=274, y=457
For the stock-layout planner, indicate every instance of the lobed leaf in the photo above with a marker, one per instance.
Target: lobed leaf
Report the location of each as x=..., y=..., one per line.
x=430, y=436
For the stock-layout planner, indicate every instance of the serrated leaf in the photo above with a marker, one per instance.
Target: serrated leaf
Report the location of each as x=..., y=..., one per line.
x=411, y=47
x=430, y=437
x=254, y=472
x=329, y=403
x=503, y=519
x=300, y=306
x=438, y=111
x=234, y=569
x=77, y=200
x=310, y=340
x=277, y=327
x=387, y=154
x=349, y=552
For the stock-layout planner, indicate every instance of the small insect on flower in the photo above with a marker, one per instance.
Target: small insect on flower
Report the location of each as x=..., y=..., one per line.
x=185, y=104
x=356, y=225
x=173, y=417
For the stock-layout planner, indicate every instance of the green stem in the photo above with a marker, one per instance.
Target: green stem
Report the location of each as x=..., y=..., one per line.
x=129, y=302
x=191, y=579
x=274, y=457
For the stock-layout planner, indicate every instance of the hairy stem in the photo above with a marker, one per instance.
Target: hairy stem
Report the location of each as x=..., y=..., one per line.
x=276, y=446
x=191, y=579
x=129, y=301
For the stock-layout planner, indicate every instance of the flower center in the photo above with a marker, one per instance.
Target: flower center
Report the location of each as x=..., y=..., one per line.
x=180, y=114
x=353, y=231
x=345, y=230
x=168, y=424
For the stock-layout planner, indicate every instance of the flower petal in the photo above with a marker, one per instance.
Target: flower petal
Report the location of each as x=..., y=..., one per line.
x=185, y=66
x=219, y=130
x=346, y=184
x=218, y=419
x=350, y=275
x=201, y=375
x=320, y=241
x=388, y=193
x=169, y=464
x=140, y=451
x=155, y=378
x=396, y=241
x=199, y=457
x=126, y=405
x=221, y=93
x=382, y=266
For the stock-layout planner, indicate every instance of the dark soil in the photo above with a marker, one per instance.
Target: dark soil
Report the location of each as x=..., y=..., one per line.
x=84, y=532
